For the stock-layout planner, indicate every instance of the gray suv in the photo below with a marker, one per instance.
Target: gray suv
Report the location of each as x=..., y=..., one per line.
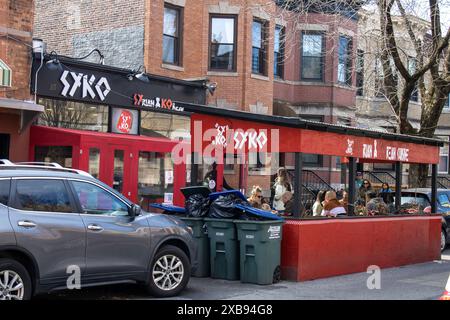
x=61, y=228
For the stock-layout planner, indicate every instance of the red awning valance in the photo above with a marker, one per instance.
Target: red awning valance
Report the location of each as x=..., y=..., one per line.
x=232, y=135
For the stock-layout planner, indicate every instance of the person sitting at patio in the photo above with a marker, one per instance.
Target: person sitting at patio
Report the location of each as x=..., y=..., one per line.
x=318, y=205
x=288, y=202
x=344, y=200
x=366, y=187
x=375, y=205
x=386, y=193
x=256, y=197
x=332, y=207
x=282, y=184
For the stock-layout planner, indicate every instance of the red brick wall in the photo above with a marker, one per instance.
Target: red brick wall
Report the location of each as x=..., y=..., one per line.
x=17, y=15
x=325, y=92
x=240, y=90
x=9, y=124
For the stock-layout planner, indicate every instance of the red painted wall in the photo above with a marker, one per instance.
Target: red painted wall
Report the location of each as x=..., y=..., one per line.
x=81, y=141
x=325, y=248
x=18, y=147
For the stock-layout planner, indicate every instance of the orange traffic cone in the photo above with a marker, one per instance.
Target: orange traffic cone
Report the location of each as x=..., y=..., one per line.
x=446, y=295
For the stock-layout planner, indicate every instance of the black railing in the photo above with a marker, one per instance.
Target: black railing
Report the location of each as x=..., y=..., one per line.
x=379, y=177
x=312, y=183
x=368, y=175
x=442, y=182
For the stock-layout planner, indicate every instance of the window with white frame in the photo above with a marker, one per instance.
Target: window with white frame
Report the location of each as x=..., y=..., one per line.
x=443, y=156
x=5, y=75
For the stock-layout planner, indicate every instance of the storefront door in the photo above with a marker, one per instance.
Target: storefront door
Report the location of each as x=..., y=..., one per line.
x=119, y=173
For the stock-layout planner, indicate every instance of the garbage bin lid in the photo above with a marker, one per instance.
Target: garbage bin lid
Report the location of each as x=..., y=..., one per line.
x=258, y=212
x=213, y=196
x=189, y=191
x=168, y=207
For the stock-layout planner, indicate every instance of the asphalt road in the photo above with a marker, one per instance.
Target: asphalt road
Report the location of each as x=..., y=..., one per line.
x=415, y=282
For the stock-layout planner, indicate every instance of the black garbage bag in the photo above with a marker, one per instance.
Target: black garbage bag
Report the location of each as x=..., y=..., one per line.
x=197, y=205
x=223, y=207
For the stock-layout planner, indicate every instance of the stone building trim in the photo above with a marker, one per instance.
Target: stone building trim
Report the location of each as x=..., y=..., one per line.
x=15, y=32
x=172, y=67
x=281, y=22
x=222, y=74
x=259, y=13
x=259, y=77
x=223, y=7
x=312, y=27
x=178, y=3
x=346, y=32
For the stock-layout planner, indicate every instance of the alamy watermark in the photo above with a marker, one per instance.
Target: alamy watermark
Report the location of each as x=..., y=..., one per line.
x=374, y=280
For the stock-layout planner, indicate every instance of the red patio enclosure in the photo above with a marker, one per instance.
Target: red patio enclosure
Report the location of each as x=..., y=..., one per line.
x=323, y=247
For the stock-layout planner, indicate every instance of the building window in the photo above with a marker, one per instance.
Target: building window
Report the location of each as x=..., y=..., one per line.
x=412, y=70
x=172, y=35
x=443, y=157
x=447, y=103
x=223, y=43
x=5, y=75
x=312, y=56
x=155, y=179
x=345, y=60
x=74, y=115
x=259, y=43
x=360, y=73
x=278, y=57
x=165, y=125
x=58, y=154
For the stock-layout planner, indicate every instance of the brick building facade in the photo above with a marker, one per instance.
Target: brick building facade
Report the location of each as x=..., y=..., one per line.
x=16, y=110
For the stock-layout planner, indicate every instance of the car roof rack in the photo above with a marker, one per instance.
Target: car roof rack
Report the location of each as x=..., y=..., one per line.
x=53, y=166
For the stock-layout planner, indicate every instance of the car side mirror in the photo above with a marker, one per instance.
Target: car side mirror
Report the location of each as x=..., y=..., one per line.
x=134, y=211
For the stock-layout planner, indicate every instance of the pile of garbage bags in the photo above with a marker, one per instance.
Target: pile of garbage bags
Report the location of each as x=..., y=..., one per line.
x=222, y=207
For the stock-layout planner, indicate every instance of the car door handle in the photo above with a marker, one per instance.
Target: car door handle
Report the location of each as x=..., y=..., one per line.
x=26, y=224
x=94, y=227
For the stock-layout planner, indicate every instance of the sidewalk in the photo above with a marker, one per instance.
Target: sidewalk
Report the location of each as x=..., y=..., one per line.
x=416, y=282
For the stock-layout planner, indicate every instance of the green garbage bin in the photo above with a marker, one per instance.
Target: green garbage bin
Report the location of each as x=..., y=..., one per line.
x=224, y=248
x=260, y=250
x=201, y=238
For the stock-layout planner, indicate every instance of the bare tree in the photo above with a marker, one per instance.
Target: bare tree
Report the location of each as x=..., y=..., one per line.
x=431, y=74
x=409, y=54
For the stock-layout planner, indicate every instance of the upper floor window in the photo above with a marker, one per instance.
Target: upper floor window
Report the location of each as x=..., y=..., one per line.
x=360, y=73
x=278, y=57
x=312, y=56
x=412, y=70
x=345, y=60
x=222, y=49
x=447, y=103
x=172, y=35
x=259, y=43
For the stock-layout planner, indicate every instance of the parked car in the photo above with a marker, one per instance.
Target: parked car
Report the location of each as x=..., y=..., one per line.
x=421, y=197
x=57, y=222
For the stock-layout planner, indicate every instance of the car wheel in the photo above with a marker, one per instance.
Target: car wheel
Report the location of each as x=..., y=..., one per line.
x=443, y=240
x=15, y=282
x=169, y=272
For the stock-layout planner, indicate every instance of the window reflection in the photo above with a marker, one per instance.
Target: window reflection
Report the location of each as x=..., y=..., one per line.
x=156, y=178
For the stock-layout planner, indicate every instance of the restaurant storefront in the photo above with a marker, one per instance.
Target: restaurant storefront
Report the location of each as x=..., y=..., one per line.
x=317, y=247
x=119, y=125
